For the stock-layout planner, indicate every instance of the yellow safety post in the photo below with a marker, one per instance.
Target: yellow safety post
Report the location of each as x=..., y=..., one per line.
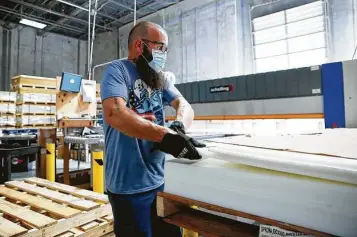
x=50, y=161
x=98, y=173
x=190, y=233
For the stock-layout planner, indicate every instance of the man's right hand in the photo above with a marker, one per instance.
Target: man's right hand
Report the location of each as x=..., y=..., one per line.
x=178, y=145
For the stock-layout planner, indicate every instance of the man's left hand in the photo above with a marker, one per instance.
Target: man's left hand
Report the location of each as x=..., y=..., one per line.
x=178, y=127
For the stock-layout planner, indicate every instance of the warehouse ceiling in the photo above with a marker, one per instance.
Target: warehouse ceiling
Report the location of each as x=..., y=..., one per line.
x=70, y=17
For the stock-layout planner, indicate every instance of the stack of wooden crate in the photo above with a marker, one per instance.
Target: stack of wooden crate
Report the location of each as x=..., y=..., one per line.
x=7, y=109
x=36, y=101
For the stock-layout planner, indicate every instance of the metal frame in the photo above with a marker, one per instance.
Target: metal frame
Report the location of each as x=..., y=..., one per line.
x=55, y=13
x=4, y=9
x=92, y=75
x=118, y=14
x=85, y=9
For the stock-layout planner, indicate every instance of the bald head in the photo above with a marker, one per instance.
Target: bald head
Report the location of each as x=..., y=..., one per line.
x=143, y=30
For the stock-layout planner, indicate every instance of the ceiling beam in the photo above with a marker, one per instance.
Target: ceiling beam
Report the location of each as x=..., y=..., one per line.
x=121, y=19
x=85, y=9
x=146, y=5
x=124, y=6
x=10, y=11
x=84, y=22
x=64, y=20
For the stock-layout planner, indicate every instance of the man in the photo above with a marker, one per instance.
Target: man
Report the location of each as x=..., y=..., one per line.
x=134, y=92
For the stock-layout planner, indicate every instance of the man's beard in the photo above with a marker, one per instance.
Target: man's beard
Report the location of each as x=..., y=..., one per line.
x=152, y=79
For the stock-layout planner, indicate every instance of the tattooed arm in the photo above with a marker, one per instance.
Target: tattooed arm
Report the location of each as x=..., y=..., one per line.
x=184, y=111
x=120, y=117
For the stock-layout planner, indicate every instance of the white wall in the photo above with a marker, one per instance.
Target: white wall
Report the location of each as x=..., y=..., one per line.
x=26, y=53
x=343, y=29
x=207, y=38
x=106, y=48
x=210, y=39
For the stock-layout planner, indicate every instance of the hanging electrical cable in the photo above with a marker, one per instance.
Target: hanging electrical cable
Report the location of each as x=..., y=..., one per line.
x=92, y=40
x=134, y=12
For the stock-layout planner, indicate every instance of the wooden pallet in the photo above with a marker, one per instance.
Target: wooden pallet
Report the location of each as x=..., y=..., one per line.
x=50, y=125
x=35, y=103
x=176, y=210
x=42, y=87
x=34, y=90
x=34, y=81
x=7, y=126
x=37, y=207
x=7, y=102
x=35, y=114
x=7, y=114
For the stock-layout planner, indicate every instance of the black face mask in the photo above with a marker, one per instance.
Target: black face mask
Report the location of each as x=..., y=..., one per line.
x=152, y=79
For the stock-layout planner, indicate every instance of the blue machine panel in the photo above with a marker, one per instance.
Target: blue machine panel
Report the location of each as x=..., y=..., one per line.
x=334, y=103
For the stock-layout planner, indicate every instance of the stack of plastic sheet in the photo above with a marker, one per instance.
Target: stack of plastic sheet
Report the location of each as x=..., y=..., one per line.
x=309, y=190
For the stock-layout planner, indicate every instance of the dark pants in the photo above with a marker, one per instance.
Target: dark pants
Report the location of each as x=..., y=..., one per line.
x=135, y=216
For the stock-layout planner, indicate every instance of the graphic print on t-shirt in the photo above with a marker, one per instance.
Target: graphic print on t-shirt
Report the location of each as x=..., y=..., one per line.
x=147, y=105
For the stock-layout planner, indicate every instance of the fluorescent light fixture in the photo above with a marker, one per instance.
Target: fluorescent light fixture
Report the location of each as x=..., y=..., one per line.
x=33, y=23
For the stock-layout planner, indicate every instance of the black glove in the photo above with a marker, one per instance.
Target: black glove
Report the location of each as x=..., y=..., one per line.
x=178, y=145
x=178, y=127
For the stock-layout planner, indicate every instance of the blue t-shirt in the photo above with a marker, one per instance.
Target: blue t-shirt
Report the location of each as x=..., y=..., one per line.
x=130, y=166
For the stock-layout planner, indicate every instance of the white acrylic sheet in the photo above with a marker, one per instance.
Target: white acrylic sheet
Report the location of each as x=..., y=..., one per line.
x=322, y=205
x=334, y=142
x=326, y=167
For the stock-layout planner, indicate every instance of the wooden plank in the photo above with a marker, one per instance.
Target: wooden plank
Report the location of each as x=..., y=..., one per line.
x=32, y=80
x=69, y=189
x=53, y=195
x=33, y=90
x=190, y=202
x=166, y=207
x=89, y=226
x=8, y=228
x=209, y=225
x=67, y=224
x=26, y=215
x=39, y=202
x=67, y=234
x=109, y=218
x=103, y=229
x=77, y=123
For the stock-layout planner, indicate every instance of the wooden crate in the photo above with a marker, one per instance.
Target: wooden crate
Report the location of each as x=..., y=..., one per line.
x=32, y=81
x=34, y=90
x=36, y=99
x=38, y=207
x=7, y=97
x=7, y=108
x=32, y=84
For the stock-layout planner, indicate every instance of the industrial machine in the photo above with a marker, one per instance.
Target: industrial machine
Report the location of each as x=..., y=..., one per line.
x=326, y=91
x=304, y=180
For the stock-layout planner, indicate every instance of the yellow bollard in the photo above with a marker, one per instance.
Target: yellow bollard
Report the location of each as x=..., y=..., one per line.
x=190, y=233
x=98, y=175
x=50, y=161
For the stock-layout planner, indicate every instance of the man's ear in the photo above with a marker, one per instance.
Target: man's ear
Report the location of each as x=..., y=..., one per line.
x=139, y=46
